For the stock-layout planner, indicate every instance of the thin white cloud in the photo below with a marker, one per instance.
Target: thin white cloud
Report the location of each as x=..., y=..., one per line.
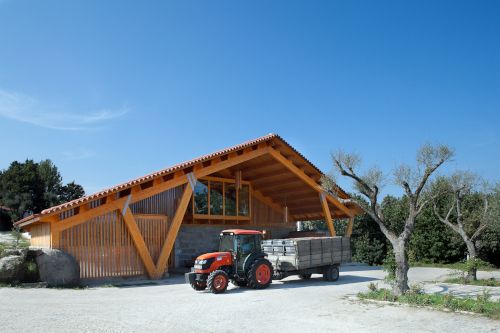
x=26, y=109
x=77, y=154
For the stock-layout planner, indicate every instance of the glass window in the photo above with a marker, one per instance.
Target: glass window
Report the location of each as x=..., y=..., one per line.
x=216, y=198
x=201, y=197
x=246, y=244
x=226, y=243
x=230, y=198
x=244, y=201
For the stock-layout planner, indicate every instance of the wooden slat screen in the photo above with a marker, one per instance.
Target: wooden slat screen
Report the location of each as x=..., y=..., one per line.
x=40, y=235
x=164, y=203
x=154, y=229
x=103, y=247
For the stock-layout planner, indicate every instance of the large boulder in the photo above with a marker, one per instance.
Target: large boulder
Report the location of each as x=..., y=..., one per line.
x=11, y=268
x=57, y=268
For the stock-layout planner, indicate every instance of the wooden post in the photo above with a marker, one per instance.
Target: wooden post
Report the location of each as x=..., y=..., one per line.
x=161, y=265
x=349, y=227
x=328, y=216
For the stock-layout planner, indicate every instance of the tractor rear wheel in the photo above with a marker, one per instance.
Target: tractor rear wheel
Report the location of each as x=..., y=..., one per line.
x=305, y=276
x=260, y=274
x=198, y=286
x=217, y=281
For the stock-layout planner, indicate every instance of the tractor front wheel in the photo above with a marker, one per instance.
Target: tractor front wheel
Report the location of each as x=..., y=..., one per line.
x=260, y=274
x=217, y=281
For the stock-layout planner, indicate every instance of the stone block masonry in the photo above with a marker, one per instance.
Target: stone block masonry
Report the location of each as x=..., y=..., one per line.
x=194, y=240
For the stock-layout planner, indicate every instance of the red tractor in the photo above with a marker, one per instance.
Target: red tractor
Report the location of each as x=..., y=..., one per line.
x=240, y=259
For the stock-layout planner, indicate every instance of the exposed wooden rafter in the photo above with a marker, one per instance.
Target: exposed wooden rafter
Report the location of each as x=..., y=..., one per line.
x=309, y=181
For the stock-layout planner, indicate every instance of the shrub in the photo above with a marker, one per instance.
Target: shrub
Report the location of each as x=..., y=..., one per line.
x=390, y=268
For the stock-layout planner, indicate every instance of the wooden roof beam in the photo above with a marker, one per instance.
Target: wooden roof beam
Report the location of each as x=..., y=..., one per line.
x=309, y=181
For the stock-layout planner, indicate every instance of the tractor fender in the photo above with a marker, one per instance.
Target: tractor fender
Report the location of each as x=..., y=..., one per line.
x=250, y=259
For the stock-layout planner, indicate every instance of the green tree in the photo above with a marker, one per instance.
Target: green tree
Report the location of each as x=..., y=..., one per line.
x=30, y=187
x=52, y=182
x=70, y=191
x=22, y=189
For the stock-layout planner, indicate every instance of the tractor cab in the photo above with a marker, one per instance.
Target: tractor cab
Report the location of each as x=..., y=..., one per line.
x=240, y=242
x=240, y=259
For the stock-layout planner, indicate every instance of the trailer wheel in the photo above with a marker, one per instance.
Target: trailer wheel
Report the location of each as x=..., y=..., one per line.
x=198, y=286
x=331, y=273
x=217, y=281
x=260, y=274
x=305, y=276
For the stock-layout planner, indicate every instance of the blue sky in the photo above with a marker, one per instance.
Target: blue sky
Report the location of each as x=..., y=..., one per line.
x=112, y=90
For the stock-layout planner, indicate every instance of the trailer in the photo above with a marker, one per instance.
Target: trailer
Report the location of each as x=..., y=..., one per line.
x=307, y=255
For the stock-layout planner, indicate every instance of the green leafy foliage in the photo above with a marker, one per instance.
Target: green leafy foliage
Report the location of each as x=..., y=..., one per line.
x=30, y=187
x=389, y=266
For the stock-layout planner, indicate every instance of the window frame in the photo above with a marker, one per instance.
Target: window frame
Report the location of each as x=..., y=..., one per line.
x=224, y=181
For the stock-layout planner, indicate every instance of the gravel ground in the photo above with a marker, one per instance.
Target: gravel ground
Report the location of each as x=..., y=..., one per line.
x=290, y=305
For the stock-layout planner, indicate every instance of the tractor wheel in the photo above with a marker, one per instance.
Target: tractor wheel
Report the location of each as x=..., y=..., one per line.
x=239, y=283
x=260, y=274
x=305, y=276
x=217, y=281
x=331, y=273
x=198, y=286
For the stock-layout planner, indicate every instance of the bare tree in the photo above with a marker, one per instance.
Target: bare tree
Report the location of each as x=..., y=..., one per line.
x=412, y=180
x=460, y=185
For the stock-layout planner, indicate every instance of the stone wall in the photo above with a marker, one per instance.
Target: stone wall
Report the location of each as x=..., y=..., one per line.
x=195, y=240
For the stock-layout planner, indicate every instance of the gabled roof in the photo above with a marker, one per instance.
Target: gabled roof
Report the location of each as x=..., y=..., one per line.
x=273, y=140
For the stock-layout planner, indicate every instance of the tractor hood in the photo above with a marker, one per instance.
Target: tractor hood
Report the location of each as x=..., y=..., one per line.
x=214, y=255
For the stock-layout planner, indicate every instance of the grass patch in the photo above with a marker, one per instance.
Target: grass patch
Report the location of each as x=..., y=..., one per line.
x=456, y=265
x=483, y=282
x=481, y=304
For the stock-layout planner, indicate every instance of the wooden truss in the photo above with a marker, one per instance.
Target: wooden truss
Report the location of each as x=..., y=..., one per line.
x=120, y=202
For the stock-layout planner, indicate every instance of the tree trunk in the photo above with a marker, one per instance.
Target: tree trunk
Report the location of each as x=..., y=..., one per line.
x=402, y=266
x=472, y=273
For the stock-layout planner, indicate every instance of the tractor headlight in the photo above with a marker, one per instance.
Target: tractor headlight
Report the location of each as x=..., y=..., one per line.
x=202, y=262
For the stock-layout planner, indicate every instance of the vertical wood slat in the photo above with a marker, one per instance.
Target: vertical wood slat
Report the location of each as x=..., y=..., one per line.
x=154, y=230
x=103, y=248
x=40, y=235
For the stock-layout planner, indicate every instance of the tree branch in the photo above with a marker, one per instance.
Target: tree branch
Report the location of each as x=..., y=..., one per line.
x=365, y=188
x=428, y=172
x=484, y=222
x=446, y=220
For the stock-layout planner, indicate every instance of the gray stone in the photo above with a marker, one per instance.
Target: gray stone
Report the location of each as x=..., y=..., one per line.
x=11, y=267
x=57, y=268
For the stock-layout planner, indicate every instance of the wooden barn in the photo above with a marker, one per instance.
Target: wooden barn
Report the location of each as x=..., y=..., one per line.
x=165, y=219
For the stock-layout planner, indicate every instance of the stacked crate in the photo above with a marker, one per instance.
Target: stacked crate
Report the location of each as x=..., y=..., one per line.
x=307, y=252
